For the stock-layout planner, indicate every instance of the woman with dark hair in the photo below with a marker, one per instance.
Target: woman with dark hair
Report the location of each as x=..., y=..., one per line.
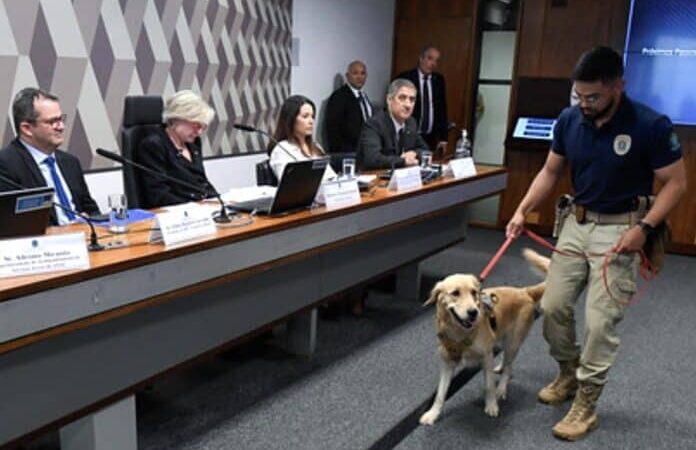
x=293, y=135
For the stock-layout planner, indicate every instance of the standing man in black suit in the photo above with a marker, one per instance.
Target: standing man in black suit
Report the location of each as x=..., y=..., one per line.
x=390, y=138
x=431, y=103
x=32, y=159
x=348, y=108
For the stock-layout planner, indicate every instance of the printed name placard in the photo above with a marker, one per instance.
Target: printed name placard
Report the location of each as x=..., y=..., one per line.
x=338, y=194
x=41, y=254
x=462, y=168
x=405, y=179
x=183, y=224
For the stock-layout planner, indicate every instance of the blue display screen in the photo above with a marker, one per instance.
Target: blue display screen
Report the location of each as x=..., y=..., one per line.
x=33, y=202
x=660, y=57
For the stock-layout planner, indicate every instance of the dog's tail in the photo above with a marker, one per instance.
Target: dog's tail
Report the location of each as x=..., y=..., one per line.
x=541, y=266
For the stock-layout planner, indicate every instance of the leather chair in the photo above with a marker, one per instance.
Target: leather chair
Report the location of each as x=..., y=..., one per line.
x=265, y=174
x=142, y=114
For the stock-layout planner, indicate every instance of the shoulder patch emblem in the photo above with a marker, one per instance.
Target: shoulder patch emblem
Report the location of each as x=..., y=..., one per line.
x=674, y=144
x=622, y=144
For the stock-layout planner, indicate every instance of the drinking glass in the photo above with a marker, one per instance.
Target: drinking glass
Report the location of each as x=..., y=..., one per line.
x=426, y=159
x=349, y=168
x=118, y=214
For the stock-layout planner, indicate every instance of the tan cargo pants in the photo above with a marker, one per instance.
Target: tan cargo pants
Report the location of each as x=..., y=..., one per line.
x=568, y=276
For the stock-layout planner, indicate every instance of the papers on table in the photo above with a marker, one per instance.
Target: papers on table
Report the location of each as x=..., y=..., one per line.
x=248, y=193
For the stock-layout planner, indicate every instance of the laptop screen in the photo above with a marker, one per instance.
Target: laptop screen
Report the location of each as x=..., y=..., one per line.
x=298, y=185
x=25, y=212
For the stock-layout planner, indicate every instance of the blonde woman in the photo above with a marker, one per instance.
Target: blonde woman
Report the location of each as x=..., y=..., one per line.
x=172, y=149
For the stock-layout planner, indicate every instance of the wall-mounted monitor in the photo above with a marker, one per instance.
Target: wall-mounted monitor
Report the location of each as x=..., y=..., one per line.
x=538, y=128
x=660, y=57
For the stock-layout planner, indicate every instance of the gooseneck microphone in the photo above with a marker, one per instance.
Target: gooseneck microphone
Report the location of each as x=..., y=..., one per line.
x=251, y=129
x=94, y=245
x=221, y=217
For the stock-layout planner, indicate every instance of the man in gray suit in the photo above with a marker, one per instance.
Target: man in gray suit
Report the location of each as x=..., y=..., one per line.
x=390, y=138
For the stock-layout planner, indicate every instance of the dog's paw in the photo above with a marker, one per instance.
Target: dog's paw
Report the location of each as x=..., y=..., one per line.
x=492, y=409
x=429, y=417
x=501, y=393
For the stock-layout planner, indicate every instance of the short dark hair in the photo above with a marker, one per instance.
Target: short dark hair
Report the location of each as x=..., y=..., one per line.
x=23, y=105
x=599, y=64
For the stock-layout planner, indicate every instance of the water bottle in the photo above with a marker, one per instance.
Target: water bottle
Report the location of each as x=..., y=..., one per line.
x=463, y=148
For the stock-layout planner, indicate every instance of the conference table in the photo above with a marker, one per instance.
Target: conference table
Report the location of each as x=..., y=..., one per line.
x=75, y=346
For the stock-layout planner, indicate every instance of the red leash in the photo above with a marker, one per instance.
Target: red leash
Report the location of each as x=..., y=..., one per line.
x=646, y=270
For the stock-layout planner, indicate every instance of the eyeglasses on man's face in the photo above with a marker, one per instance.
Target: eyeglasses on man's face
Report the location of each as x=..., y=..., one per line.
x=53, y=121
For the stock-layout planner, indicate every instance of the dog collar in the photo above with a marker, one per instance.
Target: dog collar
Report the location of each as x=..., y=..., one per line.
x=487, y=301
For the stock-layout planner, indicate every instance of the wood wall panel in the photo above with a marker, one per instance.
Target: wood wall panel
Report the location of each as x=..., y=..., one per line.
x=553, y=37
x=683, y=218
x=451, y=26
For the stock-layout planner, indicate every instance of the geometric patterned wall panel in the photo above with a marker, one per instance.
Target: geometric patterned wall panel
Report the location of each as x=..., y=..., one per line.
x=92, y=53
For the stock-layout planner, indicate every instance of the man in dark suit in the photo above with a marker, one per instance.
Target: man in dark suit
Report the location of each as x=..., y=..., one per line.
x=33, y=159
x=430, y=110
x=390, y=138
x=347, y=109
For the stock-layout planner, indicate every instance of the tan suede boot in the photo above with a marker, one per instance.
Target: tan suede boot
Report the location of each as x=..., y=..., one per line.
x=563, y=386
x=581, y=419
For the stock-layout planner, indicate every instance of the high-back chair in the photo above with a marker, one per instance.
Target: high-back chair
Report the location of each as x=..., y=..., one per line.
x=142, y=114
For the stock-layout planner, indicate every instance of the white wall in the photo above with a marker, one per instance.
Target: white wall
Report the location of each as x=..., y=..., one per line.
x=330, y=34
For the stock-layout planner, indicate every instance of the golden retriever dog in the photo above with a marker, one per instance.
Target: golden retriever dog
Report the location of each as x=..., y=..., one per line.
x=471, y=321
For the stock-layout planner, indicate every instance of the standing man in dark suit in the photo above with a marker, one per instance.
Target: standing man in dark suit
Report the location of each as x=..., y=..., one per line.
x=348, y=108
x=390, y=138
x=431, y=103
x=32, y=159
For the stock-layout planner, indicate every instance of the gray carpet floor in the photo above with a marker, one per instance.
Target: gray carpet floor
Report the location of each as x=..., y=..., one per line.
x=373, y=375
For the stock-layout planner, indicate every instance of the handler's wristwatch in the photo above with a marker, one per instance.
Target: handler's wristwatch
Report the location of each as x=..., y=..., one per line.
x=646, y=228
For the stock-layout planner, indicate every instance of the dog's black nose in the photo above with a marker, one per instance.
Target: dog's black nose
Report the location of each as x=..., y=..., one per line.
x=472, y=313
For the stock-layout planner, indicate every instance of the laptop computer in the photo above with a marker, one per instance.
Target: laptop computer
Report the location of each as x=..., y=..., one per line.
x=25, y=212
x=296, y=190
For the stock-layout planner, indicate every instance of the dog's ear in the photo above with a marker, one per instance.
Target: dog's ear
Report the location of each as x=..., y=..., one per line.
x=434, y=294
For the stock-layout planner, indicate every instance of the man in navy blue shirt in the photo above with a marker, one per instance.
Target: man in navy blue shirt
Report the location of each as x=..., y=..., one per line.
x=615, y=148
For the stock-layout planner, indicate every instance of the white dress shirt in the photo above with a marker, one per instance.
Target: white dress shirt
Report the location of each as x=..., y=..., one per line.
x=280, y=158
x=39, y=157
x=367, y=111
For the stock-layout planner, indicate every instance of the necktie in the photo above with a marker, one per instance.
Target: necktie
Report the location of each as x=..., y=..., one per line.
x=363, y=106
x=425, y=105
x=60, y=189
x=399, y=141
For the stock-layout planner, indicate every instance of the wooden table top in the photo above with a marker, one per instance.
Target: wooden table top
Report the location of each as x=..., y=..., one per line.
x=139, y=252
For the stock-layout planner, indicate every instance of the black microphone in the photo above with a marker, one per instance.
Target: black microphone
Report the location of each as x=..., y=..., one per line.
x=221, y=217
x=251, y=129
x=94, y=244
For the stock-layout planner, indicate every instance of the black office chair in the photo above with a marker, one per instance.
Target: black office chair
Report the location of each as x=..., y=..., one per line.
x=142, y=114
x=264, y=174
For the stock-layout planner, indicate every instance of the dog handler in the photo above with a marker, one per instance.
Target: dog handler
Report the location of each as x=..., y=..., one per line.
x=614, y=147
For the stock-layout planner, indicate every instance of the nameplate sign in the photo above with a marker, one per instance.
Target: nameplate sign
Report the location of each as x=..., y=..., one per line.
x=338, y=194
x=41, y=254
x=405, y=179
x=462, y=168
x=183, y=224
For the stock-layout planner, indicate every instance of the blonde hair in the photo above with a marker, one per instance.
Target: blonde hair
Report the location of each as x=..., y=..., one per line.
x=187, y=105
